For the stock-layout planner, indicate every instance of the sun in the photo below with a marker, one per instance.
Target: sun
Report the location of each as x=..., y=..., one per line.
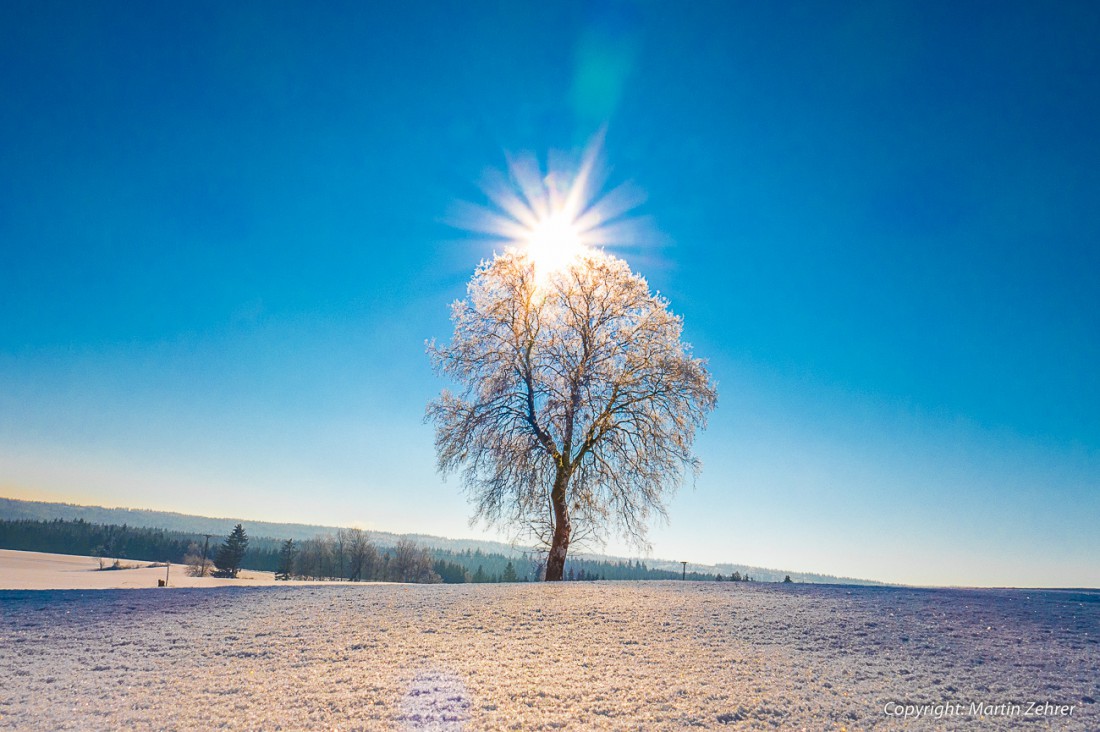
x=553, y=244
x=553, y=215
x=552, y=228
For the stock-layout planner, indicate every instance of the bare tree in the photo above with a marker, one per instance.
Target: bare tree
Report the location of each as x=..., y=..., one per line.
x=412, y=563
x=362, y=555
x=310, y=563
x=578, y=404
x=196, y=564
x=322, y=553
x=339, y=547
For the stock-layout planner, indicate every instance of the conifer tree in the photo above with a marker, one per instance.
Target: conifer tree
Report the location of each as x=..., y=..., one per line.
x=230, y=554
x=286, y=560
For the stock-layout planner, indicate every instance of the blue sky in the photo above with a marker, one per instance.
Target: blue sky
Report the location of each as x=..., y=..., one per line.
x=223, y=243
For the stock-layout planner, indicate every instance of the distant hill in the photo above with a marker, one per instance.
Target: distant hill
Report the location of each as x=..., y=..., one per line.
x=13, y=509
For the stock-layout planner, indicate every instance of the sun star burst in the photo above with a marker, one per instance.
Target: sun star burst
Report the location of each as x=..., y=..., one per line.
x=554, y=215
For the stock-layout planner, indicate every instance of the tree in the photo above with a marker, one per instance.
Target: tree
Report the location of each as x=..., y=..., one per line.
x=509, y=573
x=326, y=556
x=194, y=561
x=286, y=560
x=198, y=565
x=412, y=563
x=309, y=558
x=361, y=554
x=787, y=579
x=450, y=572
x=339, y=553
x=230, y=553
x=578, y=402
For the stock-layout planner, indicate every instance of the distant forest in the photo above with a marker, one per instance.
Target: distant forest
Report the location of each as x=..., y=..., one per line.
x=348, y=554
x=188, y=526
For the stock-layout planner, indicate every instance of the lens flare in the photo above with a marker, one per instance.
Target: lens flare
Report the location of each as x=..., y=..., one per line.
x=554, y=215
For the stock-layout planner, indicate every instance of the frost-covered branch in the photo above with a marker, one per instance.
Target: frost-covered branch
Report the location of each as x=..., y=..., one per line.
x=577, y=404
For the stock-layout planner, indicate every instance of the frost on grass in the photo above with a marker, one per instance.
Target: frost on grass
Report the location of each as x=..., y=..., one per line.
x=437, y=701
x=579, y=656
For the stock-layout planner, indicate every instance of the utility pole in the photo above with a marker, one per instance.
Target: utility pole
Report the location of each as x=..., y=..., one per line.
x=685, y=574
x=205, y=546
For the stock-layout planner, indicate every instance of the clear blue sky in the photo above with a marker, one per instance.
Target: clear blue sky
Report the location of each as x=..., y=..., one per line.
x=223, y=242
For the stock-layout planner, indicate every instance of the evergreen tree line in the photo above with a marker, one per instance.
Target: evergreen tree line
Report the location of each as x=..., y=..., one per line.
x=349, y=554
x=126, y=542
x=479, y=566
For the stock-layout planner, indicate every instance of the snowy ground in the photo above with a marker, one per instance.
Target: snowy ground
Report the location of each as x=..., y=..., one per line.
x=629, y=656
x=41, y=571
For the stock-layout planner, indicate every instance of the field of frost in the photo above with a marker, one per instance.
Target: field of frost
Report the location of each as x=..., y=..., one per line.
x=579, y=656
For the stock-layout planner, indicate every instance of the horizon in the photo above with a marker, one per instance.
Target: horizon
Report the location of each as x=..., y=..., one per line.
x=582, y=553
x=227, y=238
x=692, y=565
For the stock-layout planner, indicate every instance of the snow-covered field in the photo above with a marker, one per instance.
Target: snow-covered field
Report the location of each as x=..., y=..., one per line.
x=629, y=656
x=41, y=571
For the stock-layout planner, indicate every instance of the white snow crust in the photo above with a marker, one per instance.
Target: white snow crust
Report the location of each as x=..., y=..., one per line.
x=575, y=656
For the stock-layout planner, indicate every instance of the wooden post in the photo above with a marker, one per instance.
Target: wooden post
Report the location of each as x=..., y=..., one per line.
x=167, y=569
x=205, y=545
x=685, y=574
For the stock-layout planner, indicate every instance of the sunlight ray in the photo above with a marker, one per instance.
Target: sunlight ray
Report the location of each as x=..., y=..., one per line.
x=554, y=215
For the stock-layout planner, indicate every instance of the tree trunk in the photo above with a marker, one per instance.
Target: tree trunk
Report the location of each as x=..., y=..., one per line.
x=555, y=561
